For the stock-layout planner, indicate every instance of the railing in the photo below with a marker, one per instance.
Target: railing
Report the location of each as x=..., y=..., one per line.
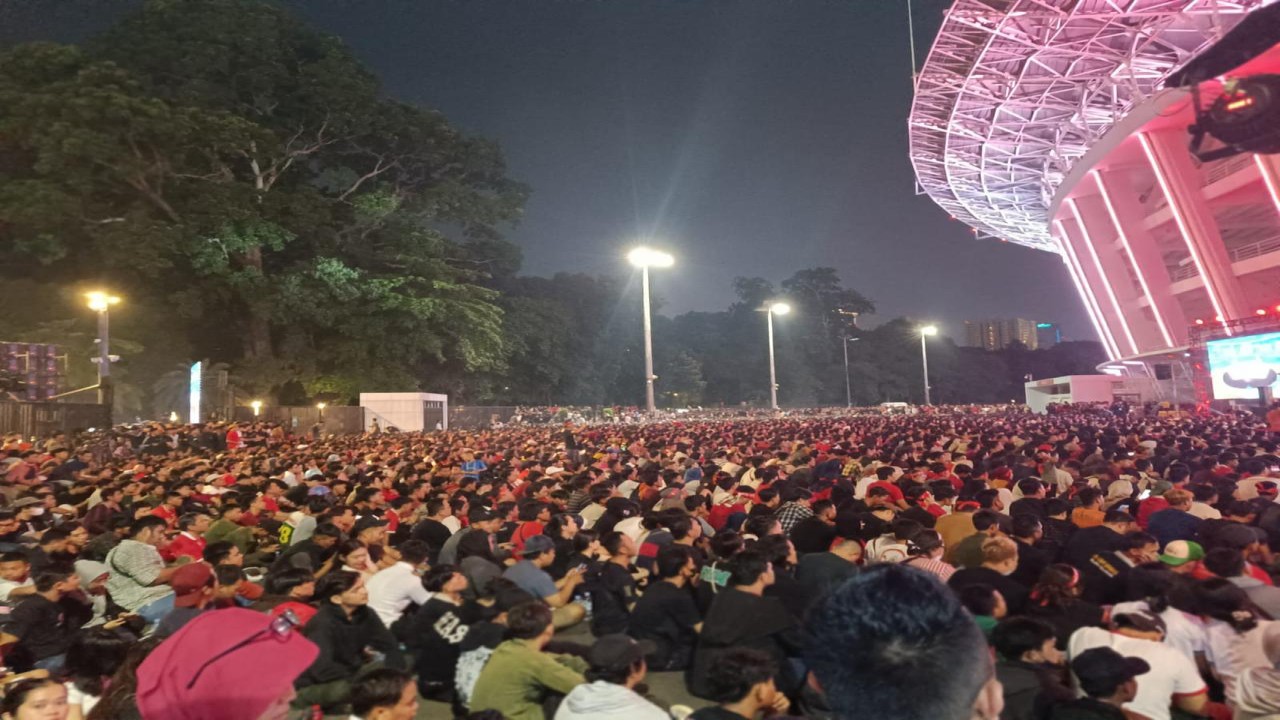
x=1236, y=254
x=39, y=419
x=1223, y=169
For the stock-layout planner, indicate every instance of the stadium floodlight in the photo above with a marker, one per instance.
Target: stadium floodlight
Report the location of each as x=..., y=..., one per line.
x=645, y=258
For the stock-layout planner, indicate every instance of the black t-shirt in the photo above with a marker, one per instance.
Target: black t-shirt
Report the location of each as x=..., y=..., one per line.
x=611, y=592
x=432, y=532
x=46, y=628
x=1015, y=594
x=818, y=573
x=666, y=615
x=811, y=535
x=434, y=637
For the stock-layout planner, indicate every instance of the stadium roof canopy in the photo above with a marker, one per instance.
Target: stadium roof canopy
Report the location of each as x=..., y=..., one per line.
x=1016, y=91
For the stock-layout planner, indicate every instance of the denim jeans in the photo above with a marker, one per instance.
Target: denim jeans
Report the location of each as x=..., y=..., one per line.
x=53, y=664
x=154, y=611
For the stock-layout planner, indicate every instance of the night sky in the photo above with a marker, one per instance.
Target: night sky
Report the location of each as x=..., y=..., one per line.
x=748, y=137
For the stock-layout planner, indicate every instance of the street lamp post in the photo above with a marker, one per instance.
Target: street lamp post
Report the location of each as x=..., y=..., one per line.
x=101, y=302
x=257, y=407
x=645, y=258
x=926, y=331
x=848, y=387
x=778, y=308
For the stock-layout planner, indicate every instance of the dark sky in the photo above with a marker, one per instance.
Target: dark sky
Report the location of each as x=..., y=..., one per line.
x=748, y=137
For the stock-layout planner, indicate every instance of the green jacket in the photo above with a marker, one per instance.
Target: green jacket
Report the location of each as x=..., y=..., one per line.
x=240, y=536
x=518, y=676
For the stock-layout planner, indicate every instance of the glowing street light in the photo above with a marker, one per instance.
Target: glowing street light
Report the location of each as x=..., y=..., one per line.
x=925, y=332
x=257, y=407
x=645, y=258
x=101, y=302
x=777, y=308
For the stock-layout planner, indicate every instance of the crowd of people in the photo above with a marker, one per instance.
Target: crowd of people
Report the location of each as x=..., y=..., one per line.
x=947, y=565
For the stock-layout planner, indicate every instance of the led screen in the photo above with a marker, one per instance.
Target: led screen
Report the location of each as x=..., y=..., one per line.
x=1238, y=365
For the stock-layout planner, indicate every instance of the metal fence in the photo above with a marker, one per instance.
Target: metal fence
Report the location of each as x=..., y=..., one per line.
x=472, y=417
x=39, y=419
x=333, y=420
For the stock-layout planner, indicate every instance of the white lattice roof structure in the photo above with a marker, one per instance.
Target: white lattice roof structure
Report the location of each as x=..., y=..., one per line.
x=1014, y=92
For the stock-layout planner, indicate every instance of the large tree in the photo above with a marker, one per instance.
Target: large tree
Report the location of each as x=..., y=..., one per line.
x=240, y=173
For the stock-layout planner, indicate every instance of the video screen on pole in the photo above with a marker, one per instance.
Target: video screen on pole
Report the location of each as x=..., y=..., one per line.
x=1241, y=365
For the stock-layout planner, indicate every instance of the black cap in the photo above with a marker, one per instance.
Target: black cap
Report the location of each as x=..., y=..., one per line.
x=1140, y=620
x=618, y=651
x=1101, y=670
x=480, y=514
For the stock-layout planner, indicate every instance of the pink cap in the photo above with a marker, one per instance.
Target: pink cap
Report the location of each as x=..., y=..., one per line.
x=236, y=686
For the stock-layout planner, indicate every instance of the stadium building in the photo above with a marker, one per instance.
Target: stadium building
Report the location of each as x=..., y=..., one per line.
x=1062, y=125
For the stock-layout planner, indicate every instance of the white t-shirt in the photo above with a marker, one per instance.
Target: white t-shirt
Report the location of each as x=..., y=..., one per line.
x=1231, y=653
x=1204, y=512
x=453, y=523
x=76, y=698
x=8, y=586
x=392, y=589
x=1172, y=673
x=1183, y=632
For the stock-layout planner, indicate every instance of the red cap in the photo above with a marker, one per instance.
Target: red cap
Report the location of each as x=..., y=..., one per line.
x=241, y=684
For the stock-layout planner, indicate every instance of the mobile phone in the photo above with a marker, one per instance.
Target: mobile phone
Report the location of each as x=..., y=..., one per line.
x=582, y=567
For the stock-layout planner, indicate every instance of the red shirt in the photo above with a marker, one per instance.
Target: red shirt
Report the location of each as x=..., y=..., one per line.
x=184, y=545
x=169, y=515
x=894, y=492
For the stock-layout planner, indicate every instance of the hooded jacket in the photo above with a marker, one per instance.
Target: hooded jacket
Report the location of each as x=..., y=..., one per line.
x=602, y=699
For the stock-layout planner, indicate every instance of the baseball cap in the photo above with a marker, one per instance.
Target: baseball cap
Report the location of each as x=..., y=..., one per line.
x=479, y=514
x=1181, y=552
x=214, y=645
x=618, y=651
x=537, y=544
x=189, y=581
x=1101, y=669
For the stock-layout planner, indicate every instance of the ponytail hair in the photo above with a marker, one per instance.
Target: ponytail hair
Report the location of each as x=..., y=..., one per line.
x=1059, y=586
x=1222, y=600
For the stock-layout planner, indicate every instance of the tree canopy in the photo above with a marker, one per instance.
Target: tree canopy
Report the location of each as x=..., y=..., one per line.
x=242, y=180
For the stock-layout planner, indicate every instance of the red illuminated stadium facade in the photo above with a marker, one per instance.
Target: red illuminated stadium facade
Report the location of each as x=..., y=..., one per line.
x=1047, y=123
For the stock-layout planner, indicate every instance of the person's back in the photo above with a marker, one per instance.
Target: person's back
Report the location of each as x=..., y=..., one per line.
x=519, y=675
x=617, y=666
x=1173, y=675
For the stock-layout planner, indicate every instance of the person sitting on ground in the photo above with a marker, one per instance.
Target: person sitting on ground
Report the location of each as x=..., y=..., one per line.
x=138, y=579
x=666, y=614
x=613, y=590
x=617, y=666
x=1000, y=559
x=231, y=664
x=743, y=616
x=384, y=694
x=890, y=631
x=1257, y=692
x=985, y=604
x=393, y=590
x=289, y=589
x=968, y=552
x=46, y=622
x=531, y=576
x=1108, y=680
x=483, y=637
x=193, y=589
x=1030, y=668
x=435, y=631
x=742, y=685
x=1174, y=679
x=39, y=697
x=1055, y=599
x=347, y=633
x=519, y=674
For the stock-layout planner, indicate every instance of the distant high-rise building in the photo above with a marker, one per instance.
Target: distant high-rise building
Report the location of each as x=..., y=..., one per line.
x=1000, y=334
x=1048, y=334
